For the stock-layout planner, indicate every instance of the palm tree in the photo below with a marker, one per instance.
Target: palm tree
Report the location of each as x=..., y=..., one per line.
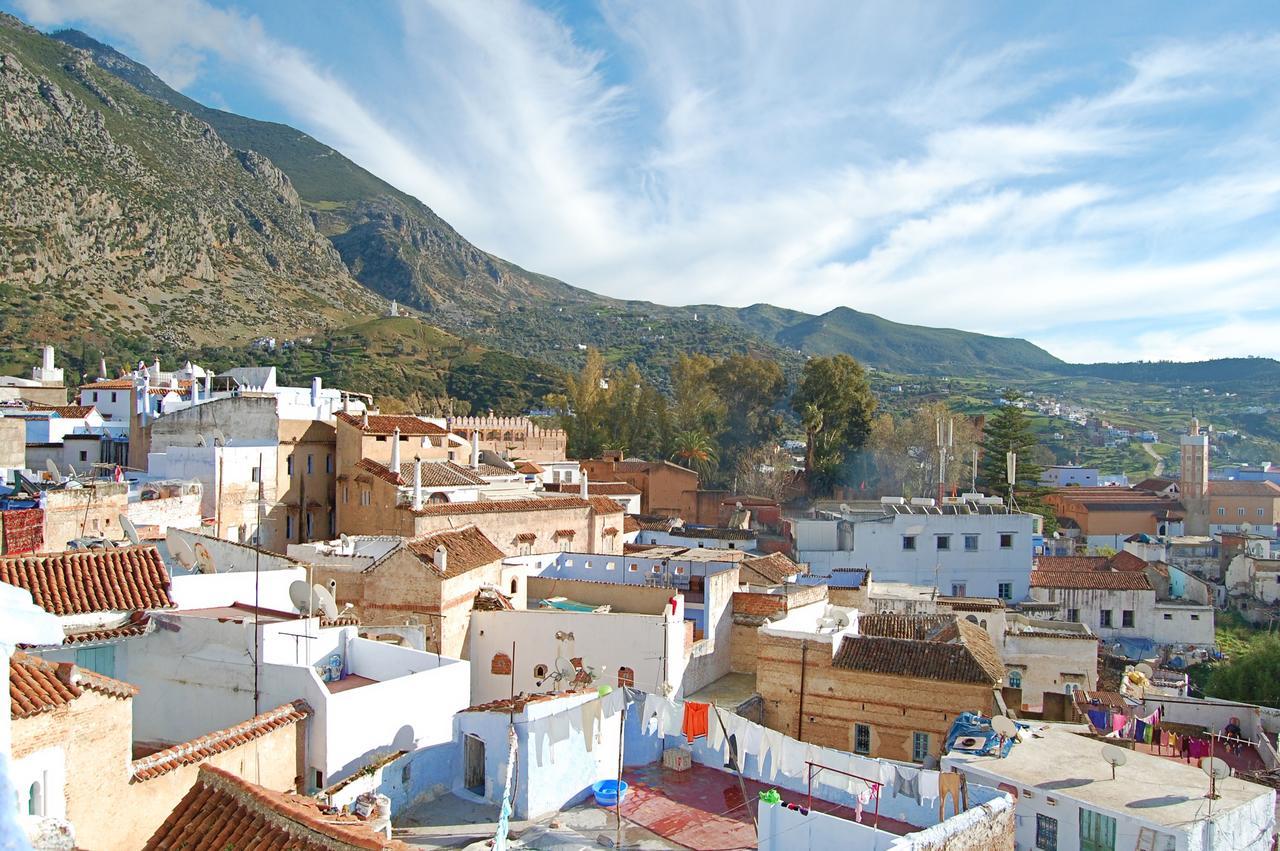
x=695, y=451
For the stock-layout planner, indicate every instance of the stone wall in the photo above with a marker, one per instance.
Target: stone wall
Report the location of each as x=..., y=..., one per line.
x=91, y=512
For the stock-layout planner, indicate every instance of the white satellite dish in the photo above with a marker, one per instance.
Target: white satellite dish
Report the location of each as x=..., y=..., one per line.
x=1004, y=727
x=346, y=542
x=1246, y=528
x=1114, y=756
x=844, y=508
x=204, y=561
x=300, y=596
x=1144, y=669
x=1216, y=769
x=53, y=469
x=130, y=531
x=324, y=601
x=182, y=552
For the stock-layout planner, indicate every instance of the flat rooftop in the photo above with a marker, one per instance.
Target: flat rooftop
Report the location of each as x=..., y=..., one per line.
x=1148, y=788
x=729, y=692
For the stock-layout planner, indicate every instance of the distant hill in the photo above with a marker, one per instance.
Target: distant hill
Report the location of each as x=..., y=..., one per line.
x=1220, y=374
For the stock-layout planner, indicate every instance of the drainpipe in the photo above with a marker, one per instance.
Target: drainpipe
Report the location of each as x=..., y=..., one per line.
x=804, y=654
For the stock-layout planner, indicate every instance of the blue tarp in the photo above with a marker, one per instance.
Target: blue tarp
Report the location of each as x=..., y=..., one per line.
x=972, y=725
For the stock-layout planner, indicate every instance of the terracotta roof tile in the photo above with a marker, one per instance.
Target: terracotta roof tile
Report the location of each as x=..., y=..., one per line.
x=1102, y=580
x=958, y=651
x=503, y=506
x=37, y=685
x=467, y=549
x=409, y=426
x=199, y=749
x=720, y=534
x=602, y=488
x=83, y=581
x=604, y=505
x=380, y=470
x=443, y=474
x=133, y=629
x=1071, y=564
x=564, y=533
x=630, y=524
x=911, y=627
x=112, y=384
x=489, y=600
x=1262, y=489
x=772, y=569
x=528, y=468
x=526, y=537
x=222, y=811
x=1127, y=562
x=610, y=531
x=70, y=412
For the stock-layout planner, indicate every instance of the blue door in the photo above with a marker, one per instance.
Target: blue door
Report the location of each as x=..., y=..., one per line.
x=99, y=659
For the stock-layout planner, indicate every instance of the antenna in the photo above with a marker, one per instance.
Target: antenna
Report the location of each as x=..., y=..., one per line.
x=324, y=601
x=1114, y=756
x=182, y=552
x=130, y=531
x=203, y=559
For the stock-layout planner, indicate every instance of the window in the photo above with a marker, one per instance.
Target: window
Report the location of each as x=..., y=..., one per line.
x=84, y=455
x=656, y=568
x=1070, y=688
x=944, y=542
x=365, y=496
x=970, y=543
x=1126, y=619
x=1046, y=833
x=346, y=494
x=113, y=396
x=908, y=542
x=515, y=585
x=310, y=458
x=919, y=747
x=1195, y=617
x=1006, y=540
x=1105, y=618
x=861, y=739
x=1097, y=832
x=35, y=800
x=310, y=530
x=539, y=672
x=1221, y=511
x=99, y=659
x=382, y=438
x=1261, y=513
x=608, y=565
x=633, y=567
x=1240, y=511
x=958, y=589
x=255, y=474
x=288, y=526
x=1004, y=590
x=1073, y=615
x=1169, y=617
x=333, y=524
x=328, y=463
x=626, y=677
x=1015, y=679
x=288, y=465
x=95, y=396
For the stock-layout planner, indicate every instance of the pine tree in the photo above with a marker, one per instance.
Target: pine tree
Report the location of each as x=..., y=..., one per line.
x=1009, y=430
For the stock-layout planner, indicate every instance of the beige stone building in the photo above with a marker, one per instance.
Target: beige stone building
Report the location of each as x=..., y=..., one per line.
x=434, y=580
x=74, y=756
x=512, y=437
x=13, y=443
x=889, y=687
x=92, y=511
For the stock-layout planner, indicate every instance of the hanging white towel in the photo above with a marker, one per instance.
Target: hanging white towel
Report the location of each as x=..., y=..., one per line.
x=652, y=721
x=793, y=756
x=750, y=740
x=672, y=718
x=888, y=774
x=772, y=748
x=715, y=735
x=591, y=722
x=612, y=703
x=928, y=787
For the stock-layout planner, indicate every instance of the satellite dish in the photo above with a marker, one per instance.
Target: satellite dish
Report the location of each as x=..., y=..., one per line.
x=71, y=471
x=300, y=596
x=345, y=542
x=844, y=508
x=324, y=601
x=200, y=440
x=204, y=561
x=182, y=552
x=1144, y=669
x=1114, y=756
x=1246, y=527
x=1216, y=769
x=1004, y=727
x=53, y=469
x=130, y=531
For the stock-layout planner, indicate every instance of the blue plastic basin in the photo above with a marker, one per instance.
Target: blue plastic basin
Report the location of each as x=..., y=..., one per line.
x=607, y=792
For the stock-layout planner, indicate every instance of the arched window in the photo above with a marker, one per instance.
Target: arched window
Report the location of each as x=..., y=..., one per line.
x=515, y=585
x=626, y=676
x=540, y=672
x=501, y=665
x=438, y=496
x=1015, y=679
x=35, y=800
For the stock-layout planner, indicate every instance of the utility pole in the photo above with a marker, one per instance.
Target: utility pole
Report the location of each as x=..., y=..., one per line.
x=946, y=435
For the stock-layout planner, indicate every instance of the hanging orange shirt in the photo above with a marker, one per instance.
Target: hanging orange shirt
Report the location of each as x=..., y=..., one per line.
x=695, y=719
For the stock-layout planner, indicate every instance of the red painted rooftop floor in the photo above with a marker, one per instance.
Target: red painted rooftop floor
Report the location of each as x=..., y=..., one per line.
x=703, y=809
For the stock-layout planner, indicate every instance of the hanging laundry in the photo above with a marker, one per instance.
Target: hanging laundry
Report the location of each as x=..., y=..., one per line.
x=864, y=798
x=888, y=774
x=751, y=741
x=612, y=703
x=591, y=722
x=651, y=720
x=907, y=783
x=949, y=786
x=695, y=720
x=1140, y=731
x=771, y=747
x=715, y=733
x=928, y=787
x=794, y=755
x=672, y=718
x=1117, y=723
x=1098, y=718
x=732, y=762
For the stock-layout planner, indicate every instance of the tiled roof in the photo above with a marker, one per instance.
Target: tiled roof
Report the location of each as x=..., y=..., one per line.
x=603, y=488
x=493, y=471
x=442, y=474
x=610, y=530
x=630, y=524
x=1154, y=484
x=564, y=533
x=912, y=627
x=772, y=569
x=958, y=652
x=720, y=534
x=503, y=506
x=528, y=468
x=199, y=749
x=113, y=384
x=222, y=811
x=653, y=522
x=82, y=581
x=1071, y=564
x=518, y=703
x=1262, y=489
x=139, y=626
x=382, y=471
x=387, y=424
x=1101, y=580
x=1127, y=562
x=489, y=600
x=36, y=685
x=604, y=505
x=68, y=412
x=467, y=549
x=527, y=537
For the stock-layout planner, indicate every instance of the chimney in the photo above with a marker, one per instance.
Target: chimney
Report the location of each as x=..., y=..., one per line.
x=315, y=391
x=195, y=391
x=395, y=451
x=102, y=368
x=441, y=559
x=417, y=483
x=47, y=362
x=364, y=419
x=475, y=449
x=208, y=385
x=155, y=372
x=583, y=490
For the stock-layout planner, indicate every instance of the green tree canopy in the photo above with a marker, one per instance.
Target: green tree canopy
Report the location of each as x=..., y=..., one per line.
x=749, y=388
x=1009, y=430
x=835, y=404
x=1252, y=676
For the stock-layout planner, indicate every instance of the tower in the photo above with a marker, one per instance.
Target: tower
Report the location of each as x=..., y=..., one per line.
x=1193, y=478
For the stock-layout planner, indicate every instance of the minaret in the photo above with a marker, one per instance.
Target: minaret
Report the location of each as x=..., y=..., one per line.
x=1193, y=478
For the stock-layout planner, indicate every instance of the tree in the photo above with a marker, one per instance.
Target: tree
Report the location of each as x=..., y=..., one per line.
x=748, y=388
x=764, y=471
x=905, y=450
x=582, y=408
x=695, y=450
x=835, y=403
x=611, y=409
x=1009, y=430
x=695, y=406
x=1252, y=676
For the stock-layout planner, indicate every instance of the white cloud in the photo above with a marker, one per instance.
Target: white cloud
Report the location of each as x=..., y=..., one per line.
x=880, y=157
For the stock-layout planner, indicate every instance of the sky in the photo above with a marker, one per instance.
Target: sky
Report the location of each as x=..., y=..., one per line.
x=1102, y=179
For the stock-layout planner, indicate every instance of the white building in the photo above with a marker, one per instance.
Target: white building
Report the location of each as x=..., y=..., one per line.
x=1122, y=605
x=1061, y=475
x=971, y=547
x=1066, y=798
x=231, y=478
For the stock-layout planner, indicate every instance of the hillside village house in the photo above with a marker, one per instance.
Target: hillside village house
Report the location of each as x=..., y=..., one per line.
x=665, y=488
x=1105, y=517
x=972, y=547
x=886, y=686
x=45, y=384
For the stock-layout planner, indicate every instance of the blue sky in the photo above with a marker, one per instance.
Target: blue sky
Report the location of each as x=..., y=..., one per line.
x=1102, y=179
